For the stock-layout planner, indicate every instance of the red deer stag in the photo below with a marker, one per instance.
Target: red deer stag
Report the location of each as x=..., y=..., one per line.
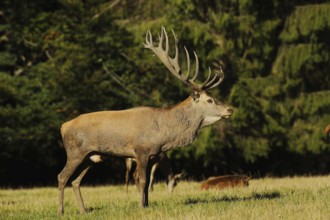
x=165, y=167
x=220, y=182
x=142, y=133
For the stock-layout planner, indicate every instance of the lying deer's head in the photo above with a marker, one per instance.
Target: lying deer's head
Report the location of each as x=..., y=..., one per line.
x=173, y=181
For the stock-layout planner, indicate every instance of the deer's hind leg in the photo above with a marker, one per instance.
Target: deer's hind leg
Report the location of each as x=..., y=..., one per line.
x=81, y=171
x=63, y=177
x=152, y=174
x=129, y=171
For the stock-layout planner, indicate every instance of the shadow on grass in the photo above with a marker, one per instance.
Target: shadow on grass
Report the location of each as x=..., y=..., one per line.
x=254, y=196
x=92, y=209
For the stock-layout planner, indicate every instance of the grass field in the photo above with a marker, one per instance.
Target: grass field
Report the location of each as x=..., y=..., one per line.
x=283, y=198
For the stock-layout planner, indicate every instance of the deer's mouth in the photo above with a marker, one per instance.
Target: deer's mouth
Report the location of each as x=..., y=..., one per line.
x=225, y=116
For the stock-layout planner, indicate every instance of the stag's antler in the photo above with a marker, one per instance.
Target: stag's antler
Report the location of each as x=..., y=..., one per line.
x=173, y=66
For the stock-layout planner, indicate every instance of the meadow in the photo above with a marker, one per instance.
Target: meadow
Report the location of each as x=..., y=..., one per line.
x=265, y=198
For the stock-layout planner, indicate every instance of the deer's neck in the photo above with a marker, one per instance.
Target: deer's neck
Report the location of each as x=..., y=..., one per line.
x=183, y=122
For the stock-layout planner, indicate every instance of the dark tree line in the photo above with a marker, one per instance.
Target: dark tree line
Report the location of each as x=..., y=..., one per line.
x=61, y=58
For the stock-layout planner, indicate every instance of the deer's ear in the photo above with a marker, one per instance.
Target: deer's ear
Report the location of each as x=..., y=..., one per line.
x=195, y=95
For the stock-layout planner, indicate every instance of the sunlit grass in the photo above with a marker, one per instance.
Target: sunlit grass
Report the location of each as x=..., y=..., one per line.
x=284, y=198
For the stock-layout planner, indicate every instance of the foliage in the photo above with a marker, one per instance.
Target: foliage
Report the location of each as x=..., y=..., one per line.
x=61, y=58
x=306, y=23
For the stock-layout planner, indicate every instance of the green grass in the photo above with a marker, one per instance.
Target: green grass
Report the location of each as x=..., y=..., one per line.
x=284, y=198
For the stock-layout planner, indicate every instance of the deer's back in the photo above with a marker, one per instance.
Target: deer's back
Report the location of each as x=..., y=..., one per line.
x=113, y=131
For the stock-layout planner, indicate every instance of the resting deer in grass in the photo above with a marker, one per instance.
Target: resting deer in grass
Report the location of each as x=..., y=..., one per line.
x=142, y=133
x=220, y=182
x=165, y=166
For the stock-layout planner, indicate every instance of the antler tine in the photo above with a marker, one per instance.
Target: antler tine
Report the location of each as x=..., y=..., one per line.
x=175, y=60
x=148, y=41
x=217, y=83
x=207, y=80
x=166, y=41
x=188, y=64
x=196, y=69
x=220, y=75
x=210, y=82
x=161, y=38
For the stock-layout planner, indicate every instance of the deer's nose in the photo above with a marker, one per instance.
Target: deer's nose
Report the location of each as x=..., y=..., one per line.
x=229, y=110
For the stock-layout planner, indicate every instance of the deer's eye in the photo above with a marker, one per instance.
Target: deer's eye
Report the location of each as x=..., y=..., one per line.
x=210, y=100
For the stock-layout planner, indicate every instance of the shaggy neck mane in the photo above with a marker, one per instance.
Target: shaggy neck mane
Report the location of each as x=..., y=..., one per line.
x=183, y=126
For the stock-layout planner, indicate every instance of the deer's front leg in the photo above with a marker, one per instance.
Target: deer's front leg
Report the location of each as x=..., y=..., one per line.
x=144, y=167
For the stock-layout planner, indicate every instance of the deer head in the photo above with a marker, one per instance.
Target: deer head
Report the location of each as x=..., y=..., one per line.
x=210, y=109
